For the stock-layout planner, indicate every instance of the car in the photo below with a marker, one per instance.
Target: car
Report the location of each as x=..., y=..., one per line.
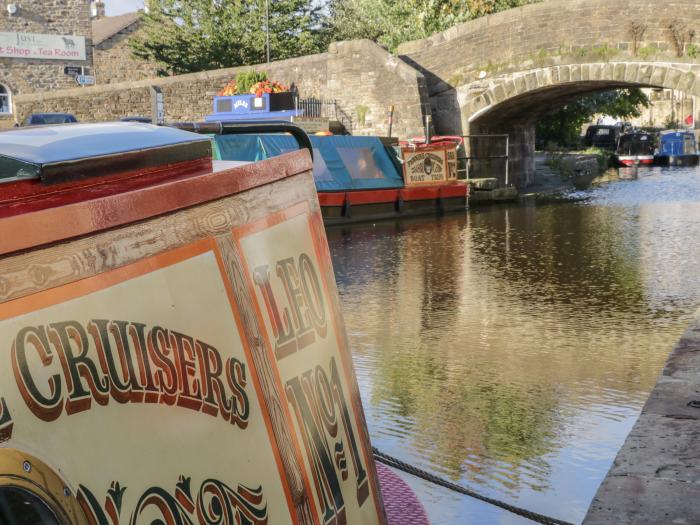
x=39, y=119
x=145, y=120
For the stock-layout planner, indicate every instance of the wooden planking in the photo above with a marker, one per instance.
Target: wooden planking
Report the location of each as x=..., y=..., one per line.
x=39, y=269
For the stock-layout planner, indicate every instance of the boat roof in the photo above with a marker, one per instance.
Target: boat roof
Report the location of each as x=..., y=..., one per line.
x=668, y=132
x=636, y=134
x=76, y=151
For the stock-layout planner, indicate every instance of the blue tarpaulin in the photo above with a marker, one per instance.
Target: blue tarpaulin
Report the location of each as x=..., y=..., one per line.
x=340, y=162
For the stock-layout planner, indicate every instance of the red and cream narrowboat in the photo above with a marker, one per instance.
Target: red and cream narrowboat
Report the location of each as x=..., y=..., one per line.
x=173, y=349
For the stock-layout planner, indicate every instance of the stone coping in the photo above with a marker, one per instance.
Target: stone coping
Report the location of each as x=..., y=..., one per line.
x=655, y=477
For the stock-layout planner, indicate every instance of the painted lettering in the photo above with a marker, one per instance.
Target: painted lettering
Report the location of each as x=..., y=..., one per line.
x=65, y=366
x=299, y=316
x=321, y=410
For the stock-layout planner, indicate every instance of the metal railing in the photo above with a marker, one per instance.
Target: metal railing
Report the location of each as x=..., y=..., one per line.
x=324, y=108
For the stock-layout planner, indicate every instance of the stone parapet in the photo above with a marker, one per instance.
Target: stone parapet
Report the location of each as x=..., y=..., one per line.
x=363, y=77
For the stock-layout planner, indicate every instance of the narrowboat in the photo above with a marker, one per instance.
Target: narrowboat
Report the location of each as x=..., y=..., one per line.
x=173, y=346
x=677, y=148
x=602, y=136
x=359, y=178
x=635, y=148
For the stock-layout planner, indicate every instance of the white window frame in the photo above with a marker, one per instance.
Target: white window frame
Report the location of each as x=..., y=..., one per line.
x=8, y=95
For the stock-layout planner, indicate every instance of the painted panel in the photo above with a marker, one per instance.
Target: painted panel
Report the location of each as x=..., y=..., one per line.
x=288, y=268
x=137, y=387
x=425, y=165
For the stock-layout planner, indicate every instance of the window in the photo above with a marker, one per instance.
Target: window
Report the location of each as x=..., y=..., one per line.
x=5, y=100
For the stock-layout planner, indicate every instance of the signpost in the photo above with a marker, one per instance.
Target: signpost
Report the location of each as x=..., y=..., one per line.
x=157, y=106
x=85, y=80
x=73, y=71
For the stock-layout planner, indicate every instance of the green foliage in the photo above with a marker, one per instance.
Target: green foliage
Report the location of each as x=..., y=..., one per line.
x=692, y=50
x=197, y=35
x=247, y=79
x=647, y=52
x=391, y=22
x=564, y=125
x=361, y=112
x=672, y=123
x=604, y=52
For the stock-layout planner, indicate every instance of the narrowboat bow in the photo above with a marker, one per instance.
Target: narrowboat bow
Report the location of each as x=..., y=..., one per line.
x=635, y=148
x=173, y=345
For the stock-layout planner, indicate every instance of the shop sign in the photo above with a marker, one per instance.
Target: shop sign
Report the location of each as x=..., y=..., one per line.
x=41, y=46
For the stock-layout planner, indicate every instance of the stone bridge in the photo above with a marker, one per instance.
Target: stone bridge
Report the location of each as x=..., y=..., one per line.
x=497, y=74
x=501, y=73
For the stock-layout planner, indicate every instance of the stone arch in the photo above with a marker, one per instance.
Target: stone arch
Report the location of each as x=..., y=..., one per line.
x=568, y=81
x=512, y=103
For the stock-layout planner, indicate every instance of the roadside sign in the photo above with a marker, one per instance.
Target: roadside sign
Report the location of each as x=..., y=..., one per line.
x=85, y=80
x=157, y=106
x=73, y=71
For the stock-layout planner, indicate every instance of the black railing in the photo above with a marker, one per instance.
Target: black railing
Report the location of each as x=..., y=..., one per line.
x=324, y=108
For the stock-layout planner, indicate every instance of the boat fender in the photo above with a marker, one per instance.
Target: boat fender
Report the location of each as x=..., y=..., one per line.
x=347, y=210
x=399, y=203
x=440, y=204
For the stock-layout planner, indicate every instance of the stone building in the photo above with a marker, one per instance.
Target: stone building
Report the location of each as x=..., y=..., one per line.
x=112, y=58
x=44, y=44
x=39, y=39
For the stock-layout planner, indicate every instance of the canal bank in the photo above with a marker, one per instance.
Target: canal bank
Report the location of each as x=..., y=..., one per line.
x=655, y=477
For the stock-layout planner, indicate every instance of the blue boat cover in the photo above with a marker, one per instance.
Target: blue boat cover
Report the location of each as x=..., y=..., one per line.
x=676, y=143
x=341, y=163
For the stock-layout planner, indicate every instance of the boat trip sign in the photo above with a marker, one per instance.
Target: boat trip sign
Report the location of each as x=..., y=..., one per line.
x=46, y=47
x=427, y=165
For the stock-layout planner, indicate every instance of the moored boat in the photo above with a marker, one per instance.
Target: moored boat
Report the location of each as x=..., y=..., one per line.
x=359, y=178
x=635, y=148
x=677, y=148
x=175, y=350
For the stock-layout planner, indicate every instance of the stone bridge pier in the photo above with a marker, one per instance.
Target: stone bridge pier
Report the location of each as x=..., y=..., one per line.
x=502, y=73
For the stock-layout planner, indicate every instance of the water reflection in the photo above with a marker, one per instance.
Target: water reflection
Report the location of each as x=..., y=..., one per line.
x=511, y=349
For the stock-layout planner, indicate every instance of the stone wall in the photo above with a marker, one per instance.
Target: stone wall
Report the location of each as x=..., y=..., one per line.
x=556, y=32
x=364, y=78
x=60, y=17
x=113, y=61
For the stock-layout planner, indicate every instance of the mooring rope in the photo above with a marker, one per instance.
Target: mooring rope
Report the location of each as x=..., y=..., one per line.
x=415, y=471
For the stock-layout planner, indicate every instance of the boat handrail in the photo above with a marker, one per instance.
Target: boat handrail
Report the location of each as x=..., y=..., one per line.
x=245, y=127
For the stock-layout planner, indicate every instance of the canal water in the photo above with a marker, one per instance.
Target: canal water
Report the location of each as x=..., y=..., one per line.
x=511, y=349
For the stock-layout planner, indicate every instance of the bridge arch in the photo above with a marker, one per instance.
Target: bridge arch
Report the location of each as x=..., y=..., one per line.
x=512, y=104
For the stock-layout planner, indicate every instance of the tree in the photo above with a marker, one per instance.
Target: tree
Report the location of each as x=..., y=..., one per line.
x=563, y=126
x=391, y=22
x=196, y=35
